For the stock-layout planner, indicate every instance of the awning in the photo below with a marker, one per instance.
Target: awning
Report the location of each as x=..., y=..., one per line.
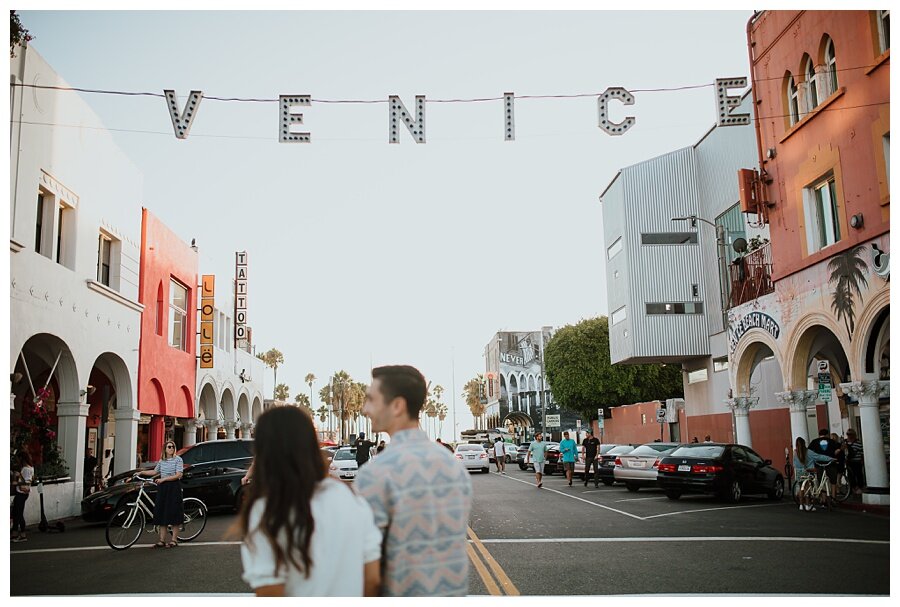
x=518, y=418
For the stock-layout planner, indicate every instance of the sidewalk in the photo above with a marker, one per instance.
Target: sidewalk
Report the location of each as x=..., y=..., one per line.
x=854, y=502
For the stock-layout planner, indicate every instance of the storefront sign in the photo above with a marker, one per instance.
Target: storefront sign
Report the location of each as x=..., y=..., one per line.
x=399, y=116
x=512, y=359
x=753, y=320
x=240, y=299
x=207, y=308
x=553, y=421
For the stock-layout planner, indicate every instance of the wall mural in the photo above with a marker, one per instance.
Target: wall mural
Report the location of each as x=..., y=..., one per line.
x=848, y=274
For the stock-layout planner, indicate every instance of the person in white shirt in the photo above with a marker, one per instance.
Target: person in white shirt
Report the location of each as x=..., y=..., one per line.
x=500, y=455
x=23, y=489
x=304, y=533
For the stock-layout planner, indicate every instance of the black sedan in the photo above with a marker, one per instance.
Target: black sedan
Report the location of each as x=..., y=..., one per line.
x=217, y=484
x=727, y=470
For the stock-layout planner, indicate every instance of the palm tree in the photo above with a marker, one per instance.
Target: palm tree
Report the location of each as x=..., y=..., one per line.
x=848, y=270
x=341, y=384
x=472, y=394
x=323, y=412
x=442, y=415
x=309, y=379
x=272, y=359
x=303, y=401
x=282, y=392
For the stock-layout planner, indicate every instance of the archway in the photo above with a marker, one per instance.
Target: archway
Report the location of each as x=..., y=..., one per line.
x=229, y=412
x=208, y=411
x=112, y=422
x=520, y=425
x=257, y=409
x=243, y=412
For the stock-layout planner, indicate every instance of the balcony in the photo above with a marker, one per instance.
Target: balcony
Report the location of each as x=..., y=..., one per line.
x=751, y=276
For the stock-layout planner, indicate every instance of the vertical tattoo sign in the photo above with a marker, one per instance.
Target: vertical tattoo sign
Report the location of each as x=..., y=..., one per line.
x=240, y=299
x=207, y=306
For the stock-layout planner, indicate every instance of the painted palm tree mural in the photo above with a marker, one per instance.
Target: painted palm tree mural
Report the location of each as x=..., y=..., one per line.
x=848, y=275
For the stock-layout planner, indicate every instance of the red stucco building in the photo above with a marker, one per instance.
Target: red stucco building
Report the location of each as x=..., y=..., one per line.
x=167, y=370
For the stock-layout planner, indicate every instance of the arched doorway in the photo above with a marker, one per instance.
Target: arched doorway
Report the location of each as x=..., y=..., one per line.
x=208, y=411
x=520, y=425
x=112, y=420
x=243, y=415
x=229, y=412
x=758, y=398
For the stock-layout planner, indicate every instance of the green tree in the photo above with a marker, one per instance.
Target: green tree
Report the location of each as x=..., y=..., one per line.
x=309, y=379
x=18, y=35
x=582, y=379
x=472, y=394
x=282, y=392
x=303, y=401
x=272, y=359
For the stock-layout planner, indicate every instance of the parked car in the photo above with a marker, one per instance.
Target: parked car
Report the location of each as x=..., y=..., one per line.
x=608, y=462
x=579, y=463
x=236, y=451
x=510, y=449
x=728, y=470
x=521, y=452
x=638, y=468
x=473, y=457
x=343, y=465
x=552, y=460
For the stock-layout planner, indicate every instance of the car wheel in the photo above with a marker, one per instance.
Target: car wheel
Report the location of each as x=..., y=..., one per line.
x=485, y=470
x=607, y=482
x=733, y=492
x=632, y=487
x=508, y=459
x=777, y=491
x=673, y=495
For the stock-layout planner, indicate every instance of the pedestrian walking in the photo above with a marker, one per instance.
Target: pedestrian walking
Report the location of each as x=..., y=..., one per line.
x=537, y=452
x=568, y=450
x=304, y=533
x=500, y=455
x=363, y=450
x=90, y=464
x=694, y=440
x=24, y=477
x=168, y=511
x=420, y=495
x=854, y=448
x=591, y=446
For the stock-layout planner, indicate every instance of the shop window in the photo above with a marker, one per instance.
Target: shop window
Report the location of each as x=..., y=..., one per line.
x=831, y=66
x=697, y=375
x=618, y=316
x=720, y=364
x=178, y=295
x=614, y=248
x=669, y=238
x=812, y=83
x=823, y=219
x=793, y=100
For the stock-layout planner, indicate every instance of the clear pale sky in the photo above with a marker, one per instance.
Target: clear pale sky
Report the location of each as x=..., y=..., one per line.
x=365, y=253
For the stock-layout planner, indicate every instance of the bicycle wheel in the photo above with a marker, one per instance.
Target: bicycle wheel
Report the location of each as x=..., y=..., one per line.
x=194, y=519
x=842, y=490
x=795, y=491
x=124, y=527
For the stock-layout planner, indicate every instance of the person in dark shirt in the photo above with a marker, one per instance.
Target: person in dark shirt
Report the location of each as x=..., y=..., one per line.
x=591, y=445
x=854, y=449
x=824, y=445
x=90, y=464
x=363, y=449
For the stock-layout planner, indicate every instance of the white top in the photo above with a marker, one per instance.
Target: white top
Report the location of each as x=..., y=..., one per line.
x=499, y=449
x=27, y=475
x=344, y=539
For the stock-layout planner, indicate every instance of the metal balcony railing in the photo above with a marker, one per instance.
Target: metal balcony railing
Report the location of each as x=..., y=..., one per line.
x=751, y=276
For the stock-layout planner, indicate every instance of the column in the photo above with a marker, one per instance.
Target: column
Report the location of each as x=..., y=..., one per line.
x=190, y=432
x=229, y=428
x=126, y=440
x=741, y=406
x=797, y=401
x=212, y=427
x=245, y=429
x=72, y=425
x=877, y=481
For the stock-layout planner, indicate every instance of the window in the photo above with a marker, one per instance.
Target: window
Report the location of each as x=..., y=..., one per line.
x=697, y=375
x=614, y=248
x=689, y=307
x=831, y=65
x=720, y=364
x=39, y=225
x=669, y=238
x=884, y=30
x=822, y=215
x=812, y=81
x=178, y=315
x=619, y=315
x=793, y=103
x=103, y=260
x=159, y=310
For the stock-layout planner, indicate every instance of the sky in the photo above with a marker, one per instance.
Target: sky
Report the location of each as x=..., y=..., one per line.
x=364, y=253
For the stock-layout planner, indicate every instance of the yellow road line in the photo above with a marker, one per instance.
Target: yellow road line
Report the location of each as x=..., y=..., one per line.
x=508, y=587
x=492, y=587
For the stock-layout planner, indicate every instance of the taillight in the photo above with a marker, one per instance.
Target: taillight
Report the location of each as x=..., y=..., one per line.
x=706, y=469
x=666, y=467
x=458, y=456
x=618, y=461
x=484, y=456
x=656, y=463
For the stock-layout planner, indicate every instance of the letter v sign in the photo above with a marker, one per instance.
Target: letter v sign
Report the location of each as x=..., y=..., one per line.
x=182, y=121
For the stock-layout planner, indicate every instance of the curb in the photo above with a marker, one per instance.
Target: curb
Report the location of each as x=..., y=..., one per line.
x=869, y=508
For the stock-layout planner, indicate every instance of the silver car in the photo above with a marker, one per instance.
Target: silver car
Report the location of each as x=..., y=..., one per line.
x=473, y=457
x=638, y=468
x=343, y=464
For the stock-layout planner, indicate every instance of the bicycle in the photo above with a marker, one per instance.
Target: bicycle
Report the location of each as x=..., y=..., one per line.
x=126, y=524
x=815, y=486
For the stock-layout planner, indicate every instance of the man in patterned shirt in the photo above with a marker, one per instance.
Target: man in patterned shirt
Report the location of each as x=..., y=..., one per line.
x=420, y=495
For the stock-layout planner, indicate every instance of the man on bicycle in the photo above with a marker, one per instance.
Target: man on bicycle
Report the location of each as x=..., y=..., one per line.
x=825, y=445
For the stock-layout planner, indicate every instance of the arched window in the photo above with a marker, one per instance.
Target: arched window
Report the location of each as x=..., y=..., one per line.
x=793, y=100
x=812, y=94
x=831, y=65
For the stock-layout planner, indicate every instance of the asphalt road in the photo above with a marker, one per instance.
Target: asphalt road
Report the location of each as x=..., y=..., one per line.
x=558, y=540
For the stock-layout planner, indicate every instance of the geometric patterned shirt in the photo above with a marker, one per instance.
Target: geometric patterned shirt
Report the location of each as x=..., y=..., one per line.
x=421, y=498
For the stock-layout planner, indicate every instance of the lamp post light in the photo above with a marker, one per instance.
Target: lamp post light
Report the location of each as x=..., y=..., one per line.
x=720, y=249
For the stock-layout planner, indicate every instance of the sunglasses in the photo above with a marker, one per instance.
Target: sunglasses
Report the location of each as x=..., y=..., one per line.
x=170, y=446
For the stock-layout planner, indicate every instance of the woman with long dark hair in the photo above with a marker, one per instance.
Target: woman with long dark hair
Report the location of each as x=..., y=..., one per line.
x=805, y=464
x=24, y=476
x=304, y=533
x=168, y=511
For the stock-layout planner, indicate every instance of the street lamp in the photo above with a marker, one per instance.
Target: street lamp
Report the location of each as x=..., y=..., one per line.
x=720, y=248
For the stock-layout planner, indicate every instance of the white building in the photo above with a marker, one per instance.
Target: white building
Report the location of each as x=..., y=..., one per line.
x=75, y=213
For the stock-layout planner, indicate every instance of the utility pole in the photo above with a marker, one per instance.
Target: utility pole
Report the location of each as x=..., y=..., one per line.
x=453, y=389
x=543, y=390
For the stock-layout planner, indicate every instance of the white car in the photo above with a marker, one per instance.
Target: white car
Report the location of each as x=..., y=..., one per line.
x=473, y=457
x=343, y=464
x=510, y=449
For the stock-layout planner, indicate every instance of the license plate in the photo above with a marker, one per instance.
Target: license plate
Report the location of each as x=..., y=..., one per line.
x=637, y=464
x=470, y=456
x=350, y=474
x=684, y=468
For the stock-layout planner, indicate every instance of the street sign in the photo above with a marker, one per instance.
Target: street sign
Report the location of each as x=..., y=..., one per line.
x=660, y=415
x=600, y=423
x=824, y=393
x=824, y=381
x=553, y=421
x=600, y=413
x=577, y=423
x=824, y=366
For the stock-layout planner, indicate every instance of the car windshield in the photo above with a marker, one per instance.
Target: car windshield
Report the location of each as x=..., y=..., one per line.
x=653, y=449
x=470, y=448
x=345, y=454
x=620, y=450
x=704, y=451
